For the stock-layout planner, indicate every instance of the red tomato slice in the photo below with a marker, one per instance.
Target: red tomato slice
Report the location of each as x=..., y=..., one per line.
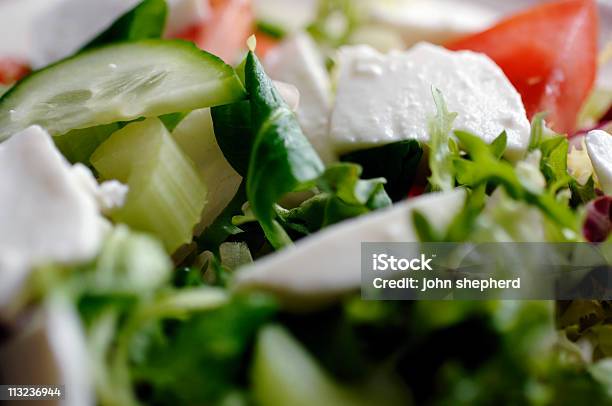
x=549, y=53
x=265, y=43
x=226, y=32
x=12, y=70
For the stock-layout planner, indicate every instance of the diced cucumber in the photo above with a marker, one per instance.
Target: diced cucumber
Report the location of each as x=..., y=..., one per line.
x=119, y=82
x=196, y=137
x=285, y=374
x=78, y=145
x=166, y=195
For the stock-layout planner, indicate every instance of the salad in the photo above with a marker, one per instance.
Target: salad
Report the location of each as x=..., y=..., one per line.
x=185, y=187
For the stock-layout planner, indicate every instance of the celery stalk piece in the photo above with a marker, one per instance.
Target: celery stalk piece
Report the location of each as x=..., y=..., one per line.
x=166, y=195
x=196, y=137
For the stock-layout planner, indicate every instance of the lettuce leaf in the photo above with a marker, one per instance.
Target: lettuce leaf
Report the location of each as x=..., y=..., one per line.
x=201, y=360
x=483, y=167
x=282, y=160
x=397, y=162
x=441, y=154
x=343, y=195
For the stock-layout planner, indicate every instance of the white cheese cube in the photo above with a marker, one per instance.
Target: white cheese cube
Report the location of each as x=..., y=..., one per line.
x=68, y=25
x=433, y=21
x=599, y=148
x=288, y=15
x=297, y=61
x=327, y=263
x=386, y=98
x=183, y=14
x=46, y=215
x=51, y=347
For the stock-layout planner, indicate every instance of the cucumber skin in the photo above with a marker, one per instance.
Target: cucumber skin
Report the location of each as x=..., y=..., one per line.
x=188, y=47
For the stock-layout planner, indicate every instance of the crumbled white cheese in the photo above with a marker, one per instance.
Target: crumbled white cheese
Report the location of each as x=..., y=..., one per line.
x=51, y=348
x=47, y=215
x=297, y=61
x=386, y=98
x=109, y=195
x=183, y=14
x=433, y=21
x=599, y=147
x=287, y=15
x=68, y=25
x=327, y=263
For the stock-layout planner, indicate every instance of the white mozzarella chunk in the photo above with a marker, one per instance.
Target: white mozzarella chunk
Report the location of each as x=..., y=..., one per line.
x=289, y=93
x=16, y=17
x=288, y=15
x=46, y=215
x=433, y=21
x=109, y=195
x=599, y=148
x=71, y=24
x=67, y=25
x=297, y=61
x=386, y=98
x=52, y=349
x=183, y=14
x=328, y=263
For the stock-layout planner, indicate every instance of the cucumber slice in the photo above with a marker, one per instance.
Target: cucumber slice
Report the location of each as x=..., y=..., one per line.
x=284, y=373
x=166, y=196
x=119, y=83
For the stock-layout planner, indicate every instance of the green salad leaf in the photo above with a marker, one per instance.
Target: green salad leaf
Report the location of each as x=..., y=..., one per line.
x=397, y=162
x=223, y=227
x=79, y=145
x=200, y=360
x=582, y=194
x=440, y=162
x=282, y=159
x=343, y=195
x=234, y=134
x=146, y=20
x=483, y=167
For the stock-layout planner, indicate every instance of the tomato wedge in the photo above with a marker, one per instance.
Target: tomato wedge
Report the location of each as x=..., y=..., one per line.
x=549, y=53
x=12, y=70
x=225, y=31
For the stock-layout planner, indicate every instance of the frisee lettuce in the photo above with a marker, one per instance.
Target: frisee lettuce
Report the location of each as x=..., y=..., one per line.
x=397, y=163
x=440, y=152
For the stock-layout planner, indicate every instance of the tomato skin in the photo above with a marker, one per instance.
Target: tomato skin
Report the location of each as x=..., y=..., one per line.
x=265, y=43
x=549, y=53
x=226, y=32
x=12, y=70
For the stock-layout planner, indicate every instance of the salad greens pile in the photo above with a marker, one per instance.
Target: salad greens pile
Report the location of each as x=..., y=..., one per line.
x=161, y=320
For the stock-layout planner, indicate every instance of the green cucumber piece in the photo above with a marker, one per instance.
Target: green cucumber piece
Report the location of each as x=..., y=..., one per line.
x=284, y=373
x=78, y=145
x=166, y=196
x=120, y=82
